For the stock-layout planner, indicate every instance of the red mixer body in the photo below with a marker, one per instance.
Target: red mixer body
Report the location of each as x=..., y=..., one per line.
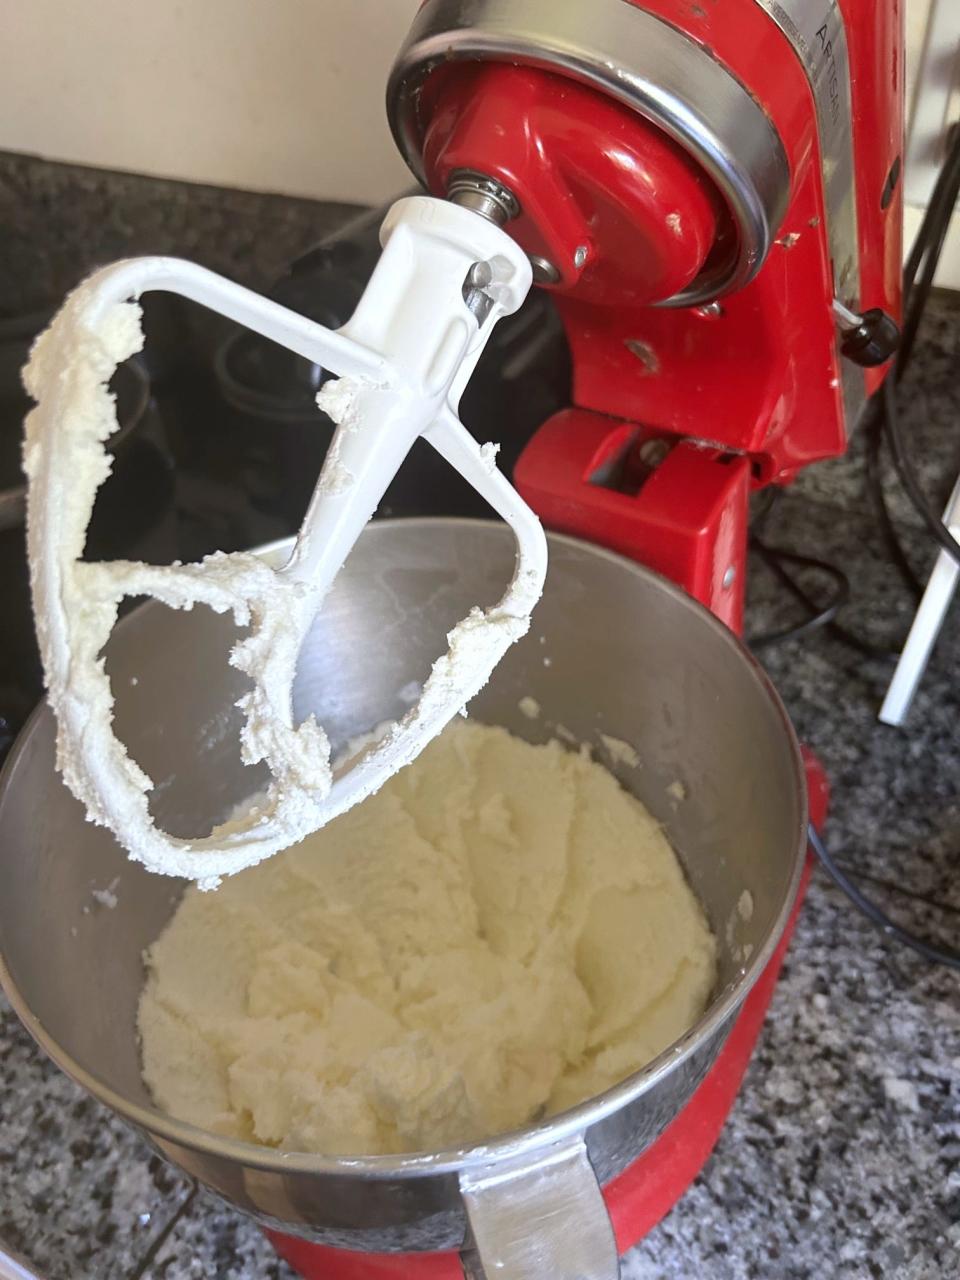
x=742, y=392
x=680, y=411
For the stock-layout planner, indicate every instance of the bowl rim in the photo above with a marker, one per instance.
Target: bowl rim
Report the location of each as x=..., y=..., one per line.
x=564, y=1126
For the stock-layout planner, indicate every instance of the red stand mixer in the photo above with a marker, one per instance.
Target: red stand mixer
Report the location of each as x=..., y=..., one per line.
x=711, y=192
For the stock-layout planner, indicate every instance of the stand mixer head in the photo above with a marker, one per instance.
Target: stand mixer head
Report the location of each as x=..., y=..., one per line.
x=699, y=185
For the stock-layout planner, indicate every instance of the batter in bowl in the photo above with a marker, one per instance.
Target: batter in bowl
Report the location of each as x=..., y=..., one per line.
x=499, y=933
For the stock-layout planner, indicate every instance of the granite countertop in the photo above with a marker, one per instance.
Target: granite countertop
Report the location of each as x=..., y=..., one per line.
x=841, y=1157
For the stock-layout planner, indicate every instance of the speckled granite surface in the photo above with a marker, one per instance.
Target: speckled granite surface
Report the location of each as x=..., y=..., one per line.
x=58, y=222
x=842, y=1155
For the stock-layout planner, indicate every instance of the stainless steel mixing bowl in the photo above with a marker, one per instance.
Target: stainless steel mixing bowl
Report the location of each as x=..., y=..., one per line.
x=629, y=655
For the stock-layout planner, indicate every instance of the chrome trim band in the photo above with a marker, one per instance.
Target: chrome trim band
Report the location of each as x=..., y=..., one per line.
x=637, y=59
x=817, y=32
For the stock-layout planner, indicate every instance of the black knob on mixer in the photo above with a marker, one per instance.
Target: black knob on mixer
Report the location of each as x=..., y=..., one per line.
x=873, y=340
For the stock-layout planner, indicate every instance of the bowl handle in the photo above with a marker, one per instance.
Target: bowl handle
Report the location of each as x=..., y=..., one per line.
x=539, y=1215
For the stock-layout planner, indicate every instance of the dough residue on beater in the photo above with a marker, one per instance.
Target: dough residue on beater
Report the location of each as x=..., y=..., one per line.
x=76, y=605
x=497, y=934
x=337, y=398
x=488, y=455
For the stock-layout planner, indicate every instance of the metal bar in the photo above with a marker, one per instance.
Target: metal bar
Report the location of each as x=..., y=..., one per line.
x=13, y=1267
x=926, y=624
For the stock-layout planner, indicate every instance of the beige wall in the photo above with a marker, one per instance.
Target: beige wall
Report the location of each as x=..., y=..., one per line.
x=916, y=22
x=274, y=95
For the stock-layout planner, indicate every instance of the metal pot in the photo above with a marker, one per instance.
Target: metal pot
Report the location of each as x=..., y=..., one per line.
x=630, y=656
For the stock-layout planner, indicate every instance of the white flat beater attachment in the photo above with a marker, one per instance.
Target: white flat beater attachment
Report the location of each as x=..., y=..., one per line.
x=445, y=277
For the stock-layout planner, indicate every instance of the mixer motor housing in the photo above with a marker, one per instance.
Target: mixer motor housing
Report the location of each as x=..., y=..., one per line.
x=703, y=187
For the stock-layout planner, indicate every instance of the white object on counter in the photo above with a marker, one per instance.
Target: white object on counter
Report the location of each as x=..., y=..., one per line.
x=926, y=624
x=13, y=1267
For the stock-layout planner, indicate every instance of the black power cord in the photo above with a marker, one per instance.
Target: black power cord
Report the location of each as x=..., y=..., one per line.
x=908, y=477
x=901, y=562
x=883, y=421
x=162, y=1236
x=928, y=248
x=937, y=955
x=883, y=425
x=775, y=558
x=923, y=261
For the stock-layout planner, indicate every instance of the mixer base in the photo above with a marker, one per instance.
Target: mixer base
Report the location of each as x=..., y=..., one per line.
x=649, y=1188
